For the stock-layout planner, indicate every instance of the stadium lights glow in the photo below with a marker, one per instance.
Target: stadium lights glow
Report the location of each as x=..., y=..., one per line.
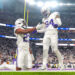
x=40, y=4
x=69, y=4
x=47, y=3
x=66, y=4
x=29, y=1
x=61, y=4
x=32, y=3
x=53, y=4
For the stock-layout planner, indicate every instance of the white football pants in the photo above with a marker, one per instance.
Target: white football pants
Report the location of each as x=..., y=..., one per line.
x=51, y=40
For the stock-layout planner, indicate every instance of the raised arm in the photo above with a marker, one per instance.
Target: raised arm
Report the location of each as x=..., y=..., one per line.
x=58, y=20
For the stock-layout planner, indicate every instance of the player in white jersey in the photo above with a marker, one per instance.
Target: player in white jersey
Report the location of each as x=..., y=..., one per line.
x=49, y=26
x=24, y=59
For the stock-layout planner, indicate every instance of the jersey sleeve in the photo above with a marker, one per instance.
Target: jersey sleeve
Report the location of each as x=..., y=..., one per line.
x=56, y=13
x=58, y=19
x=41, y=31
x=16, y=27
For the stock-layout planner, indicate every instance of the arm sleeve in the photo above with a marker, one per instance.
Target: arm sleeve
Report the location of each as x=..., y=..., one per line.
x=16, y=27
x=59, y=21
x=41, y=31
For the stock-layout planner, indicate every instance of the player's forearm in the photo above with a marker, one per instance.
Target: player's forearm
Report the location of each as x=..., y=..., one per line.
x=30, y=51
x=40, y=26
x=59, y=21
x=22, y=31
x=41, y=31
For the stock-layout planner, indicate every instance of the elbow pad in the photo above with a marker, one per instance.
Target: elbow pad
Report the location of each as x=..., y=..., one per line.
x=58, y=20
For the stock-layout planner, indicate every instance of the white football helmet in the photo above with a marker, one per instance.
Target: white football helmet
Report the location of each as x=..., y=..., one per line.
x=20, y=22
x=45, y=11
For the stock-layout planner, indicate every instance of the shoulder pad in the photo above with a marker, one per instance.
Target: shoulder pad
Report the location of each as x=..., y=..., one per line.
x=56, y=13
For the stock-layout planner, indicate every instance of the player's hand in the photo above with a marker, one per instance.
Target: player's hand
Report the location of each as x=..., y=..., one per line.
x=38, y=27
x=55, y=25
x=30, y=51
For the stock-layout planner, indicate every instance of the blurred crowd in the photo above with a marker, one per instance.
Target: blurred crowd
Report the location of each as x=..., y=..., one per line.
x=68, y=55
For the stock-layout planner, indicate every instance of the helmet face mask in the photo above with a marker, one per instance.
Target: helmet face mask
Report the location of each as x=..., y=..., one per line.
x=45, y=12
x=24, y=23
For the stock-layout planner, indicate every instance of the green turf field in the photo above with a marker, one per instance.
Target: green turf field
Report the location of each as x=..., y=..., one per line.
x=37, y=73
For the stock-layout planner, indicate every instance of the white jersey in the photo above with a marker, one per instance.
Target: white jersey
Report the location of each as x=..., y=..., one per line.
x=49, y=22
x=22, y=39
